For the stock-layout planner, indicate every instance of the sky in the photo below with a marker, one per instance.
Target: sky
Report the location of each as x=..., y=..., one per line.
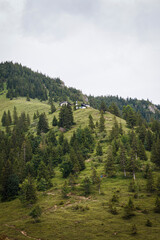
x=102, y=47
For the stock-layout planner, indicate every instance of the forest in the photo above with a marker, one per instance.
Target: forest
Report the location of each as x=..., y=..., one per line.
x=72, y=173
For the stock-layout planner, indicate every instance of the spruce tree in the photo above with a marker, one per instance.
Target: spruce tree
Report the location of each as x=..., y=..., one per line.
x=54, y=121
x=28, y=194
x=42, y=124
x=109, y=165
x=91, y=123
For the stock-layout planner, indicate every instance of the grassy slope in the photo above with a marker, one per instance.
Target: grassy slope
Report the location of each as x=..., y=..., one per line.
x=59, y=220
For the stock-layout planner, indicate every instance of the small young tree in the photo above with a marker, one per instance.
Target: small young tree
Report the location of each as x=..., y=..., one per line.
x=86, y=186
x=42, y=124
x=91, y=123
x=28, y=193
x=65, y=190
x=36, y=213
x=109, y=165
x=129, y=209
x=150, y=186
x=55, y=121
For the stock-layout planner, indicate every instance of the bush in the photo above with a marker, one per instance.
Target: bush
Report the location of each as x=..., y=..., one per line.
x=36, y=213
x=148, y=223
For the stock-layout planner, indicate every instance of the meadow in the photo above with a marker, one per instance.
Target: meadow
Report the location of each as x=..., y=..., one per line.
x=79, y=216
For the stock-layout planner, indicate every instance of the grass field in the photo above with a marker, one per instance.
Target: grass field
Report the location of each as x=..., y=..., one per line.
x=79, y=217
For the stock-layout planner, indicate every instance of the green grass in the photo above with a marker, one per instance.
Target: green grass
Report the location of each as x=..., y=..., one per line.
x=60, y=219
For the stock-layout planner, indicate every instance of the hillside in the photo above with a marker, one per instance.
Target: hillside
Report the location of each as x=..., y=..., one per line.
x=20, y=81
x=97, y=179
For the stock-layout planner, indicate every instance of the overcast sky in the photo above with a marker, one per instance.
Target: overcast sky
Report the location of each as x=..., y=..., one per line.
x=102, y=47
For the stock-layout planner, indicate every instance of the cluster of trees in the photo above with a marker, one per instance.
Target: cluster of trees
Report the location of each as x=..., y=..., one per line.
x=115, y=105
x=22, y=81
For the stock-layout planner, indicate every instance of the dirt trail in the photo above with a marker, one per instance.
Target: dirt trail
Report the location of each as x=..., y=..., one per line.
x=22, y=232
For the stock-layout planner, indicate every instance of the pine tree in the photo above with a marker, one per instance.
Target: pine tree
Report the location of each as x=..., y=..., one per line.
x=4, y=119
x=53, y=108
x=86, y=186
x=129, y=209
x=91, y=123
x=155, y=153
x=123, y=158
x=99, y=151
x=54, y=121
x=65, y=190
x=103, y=107
x=9, y=118
x=150, y=186
x=28, y=193
x=148, y=140
x=42, y=124
x=36, y=213
x=141, y=151
x=109, y=165
x=15, y=116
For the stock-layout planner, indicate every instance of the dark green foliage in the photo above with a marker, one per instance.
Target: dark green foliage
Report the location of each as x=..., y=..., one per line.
x=72, y=181
x=55, y=121
x=113, y=108
x=140, y=106
x=155, y=153
x=99, y=151
x=130, y=116
x=65, y=117
x=65, y=190
x=91, y=123
x=36, y=213
x=66, y=167
x=141, y=151
x=150, y=185
x=133, y=187
x=116, y=130
x=42, y=124
x=129, y=209
x=148, y=140
x=6, y=119
x=158, y=186
x=110, y=163
x=115, y=198
x=27, y=192
x=86, y=186
x=51, y=138
x=28, y=98
x=113, y=209
x=15, y=116
x=122, y=158
x=103, y=107
x=53, y=108
x=147, y=170
x=148, y=223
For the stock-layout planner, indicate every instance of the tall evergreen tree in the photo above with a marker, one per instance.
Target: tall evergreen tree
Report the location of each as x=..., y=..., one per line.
x=42, y=124
x=91, y=123
x=102, y=123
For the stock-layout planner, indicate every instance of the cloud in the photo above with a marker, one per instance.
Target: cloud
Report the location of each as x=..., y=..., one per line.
x=98, y=46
